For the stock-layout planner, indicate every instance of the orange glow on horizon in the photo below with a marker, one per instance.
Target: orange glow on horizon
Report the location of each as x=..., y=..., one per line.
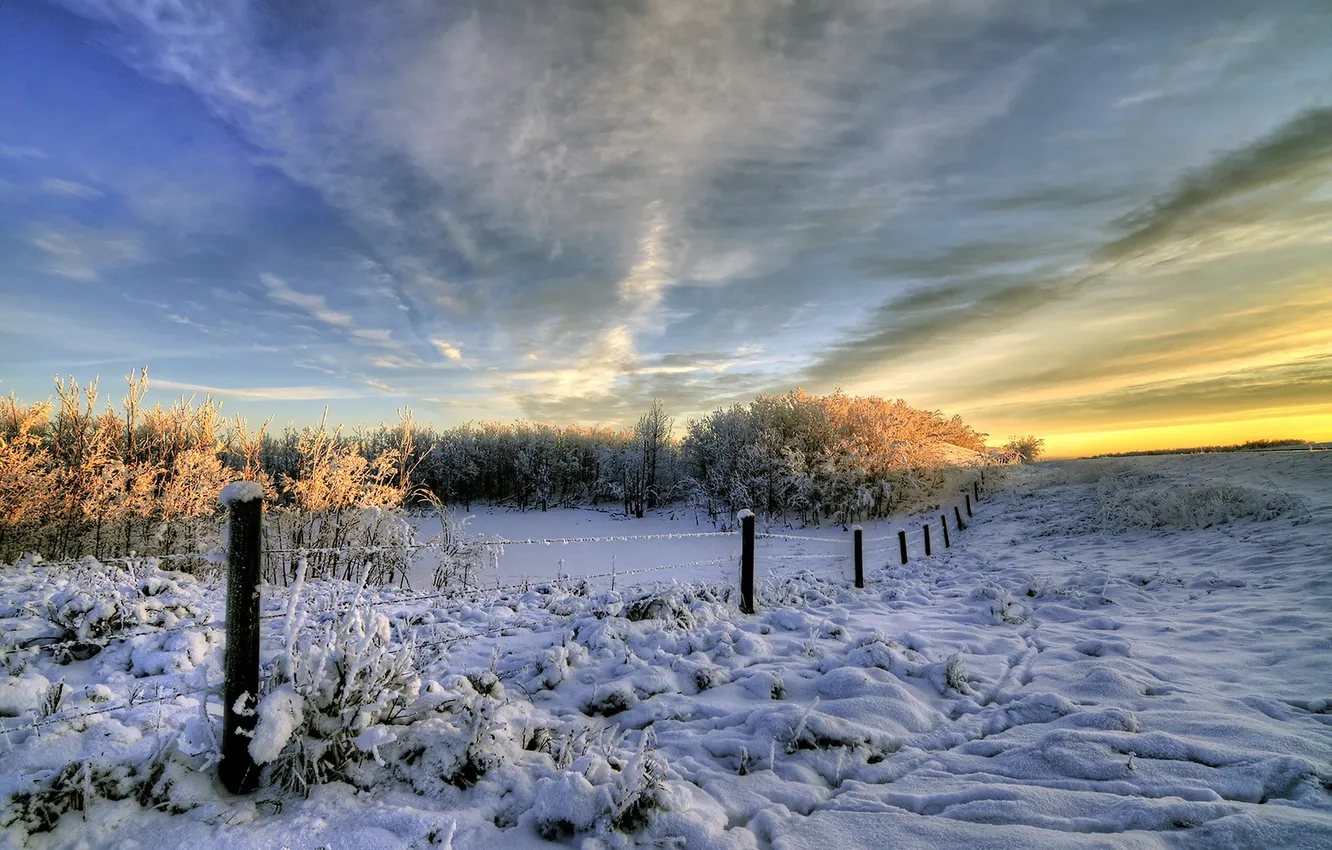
x=1315, y=426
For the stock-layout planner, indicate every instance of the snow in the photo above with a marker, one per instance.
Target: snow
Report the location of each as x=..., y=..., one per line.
x=22, y=694
x=678, y=536
x=281, y=713
x=1085, y=666
x=241, y=491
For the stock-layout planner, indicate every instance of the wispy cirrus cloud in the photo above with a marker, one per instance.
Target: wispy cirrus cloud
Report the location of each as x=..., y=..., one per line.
x=70, y=188
x=659, y=147
x=261, y=393
x=1300, y=148
x=79, y=252
x=21, y=153
x=314, y=304
x=697, y=200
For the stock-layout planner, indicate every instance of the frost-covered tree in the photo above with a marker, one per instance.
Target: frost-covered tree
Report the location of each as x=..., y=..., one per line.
x=1025, y=449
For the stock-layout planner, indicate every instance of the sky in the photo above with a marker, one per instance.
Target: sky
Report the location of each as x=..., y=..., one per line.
x=1107, y=222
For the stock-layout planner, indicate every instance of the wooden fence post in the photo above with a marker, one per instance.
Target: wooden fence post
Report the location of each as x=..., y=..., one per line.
x=245, y=502
x=968, y=504
x=860, y=556
x=747, y=562
x=901, y=544
x=943, y=521
x=975, y=485
x=926, y=529
x=957, y=512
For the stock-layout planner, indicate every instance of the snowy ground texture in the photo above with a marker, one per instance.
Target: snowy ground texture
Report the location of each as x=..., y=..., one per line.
x=1130, y=653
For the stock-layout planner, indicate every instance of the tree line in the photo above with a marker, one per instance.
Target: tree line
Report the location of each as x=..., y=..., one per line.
x=76, y=479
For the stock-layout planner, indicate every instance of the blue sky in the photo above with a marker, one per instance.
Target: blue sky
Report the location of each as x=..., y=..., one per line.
x=1078, y=219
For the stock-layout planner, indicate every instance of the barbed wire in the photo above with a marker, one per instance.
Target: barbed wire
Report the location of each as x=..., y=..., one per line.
x=494, y=630
x=217, y=556
x=503, y=628
x=801, y=537
x=500, y=542
x=107, y=640
x=131, y=702
x=880, y=551
x=212, y=556
x=342, y=607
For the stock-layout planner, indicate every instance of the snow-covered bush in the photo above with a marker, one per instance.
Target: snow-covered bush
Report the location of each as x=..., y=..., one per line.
x=668, y=607
x=607, y=795
x=74, y=787
x=99, y=600
x=1124, y=503
x=332, y=698
x=469, y=729
x=997, y=604
x=459, y=560
x=1024, y=449
x=1124, y=497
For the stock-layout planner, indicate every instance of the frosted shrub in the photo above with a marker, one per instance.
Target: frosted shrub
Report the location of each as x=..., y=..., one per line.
x=459, y=560
x=84, y=616
x=75, y=786
x=1126, y=497
x=469, y=728
x=1187, y=506
x=607, y=795
x=668, y=607
x=103, y=600
x=332, y=699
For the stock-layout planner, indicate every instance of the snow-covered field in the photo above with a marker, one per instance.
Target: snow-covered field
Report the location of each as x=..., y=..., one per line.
x=647, y=550
x=1131, y=653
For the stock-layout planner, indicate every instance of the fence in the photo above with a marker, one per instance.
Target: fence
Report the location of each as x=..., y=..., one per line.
x=244, y=612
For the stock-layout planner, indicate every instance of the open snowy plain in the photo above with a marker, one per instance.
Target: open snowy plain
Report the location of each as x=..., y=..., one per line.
x=1122, y=653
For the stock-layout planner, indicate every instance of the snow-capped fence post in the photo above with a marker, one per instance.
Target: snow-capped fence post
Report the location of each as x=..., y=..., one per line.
x=968, y=495
x=901, y=544
x=943, y=521
x=746, y=562
x=926, y=529
x=860, y=556
x=975, y=485
x=244, y=501
x=957, y=512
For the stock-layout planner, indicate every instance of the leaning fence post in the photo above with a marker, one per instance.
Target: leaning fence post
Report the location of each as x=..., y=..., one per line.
x=746, y=561
x=245, y=502
x=926, y=529
x=968, y=495
x=943, y=521
x=901, y=544
x=860, y=555
x=957, y=512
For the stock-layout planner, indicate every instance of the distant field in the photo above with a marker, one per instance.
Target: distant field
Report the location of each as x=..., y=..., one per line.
x=1255, y=446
